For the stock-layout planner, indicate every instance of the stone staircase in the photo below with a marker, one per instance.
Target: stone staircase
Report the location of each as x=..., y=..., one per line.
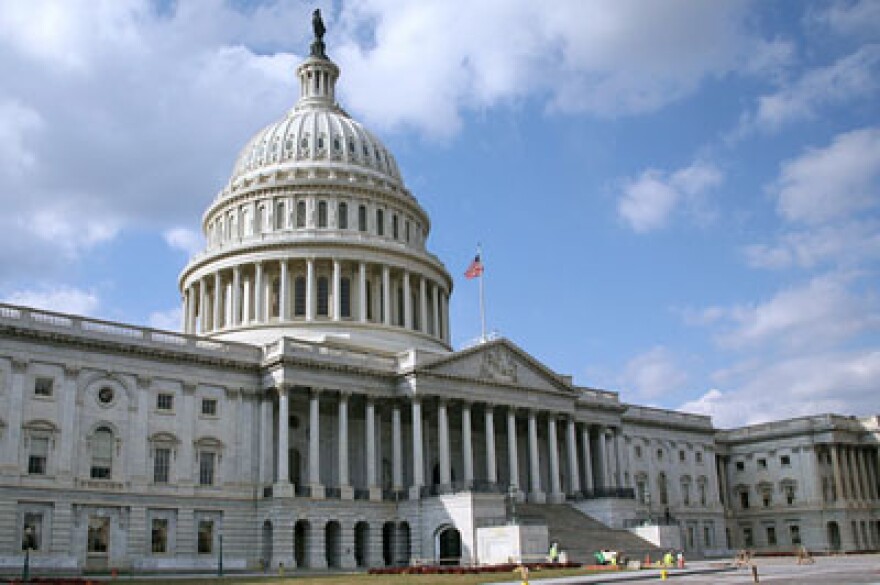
x=580, y=535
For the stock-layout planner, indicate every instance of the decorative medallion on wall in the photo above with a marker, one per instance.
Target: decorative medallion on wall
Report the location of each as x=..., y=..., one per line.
x=498, y=364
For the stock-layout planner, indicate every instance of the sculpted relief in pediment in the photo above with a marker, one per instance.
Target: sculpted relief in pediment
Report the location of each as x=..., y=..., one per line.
x=498, y=364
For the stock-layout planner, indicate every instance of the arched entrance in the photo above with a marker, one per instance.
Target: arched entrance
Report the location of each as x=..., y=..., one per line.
x=833, y=536
x=388, y=538
x=362, y=544
x=448, y=546
x=333, y=544
x=300, y=543
x=266, y=545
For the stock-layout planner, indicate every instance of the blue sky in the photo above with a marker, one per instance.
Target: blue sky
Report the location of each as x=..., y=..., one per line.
x=676, y=200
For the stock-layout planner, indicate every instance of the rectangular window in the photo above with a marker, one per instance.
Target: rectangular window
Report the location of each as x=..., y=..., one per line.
x=345, y=300
x=762, y=464
x=206, y=537
x=159, y=535
x=322, y=214
x=161, y=465
x=209, y=406
x=362, y=218
x=785, y=460
x=32, y=531
x=707, y=537
x=380, y=222
x=740, y=466
x=394, y=231
x=771, y=535
x=165, y=401
x=323, y=296
x=698, y=456
x=638, y=451
x=682, y=456
x=744, y=500
x=299, y=296
x=748, y=537
x=794, y=531
x=206, y=468
x=406, y=226
x=38, y=455
x=343, y=216
x=789, y=494
x=43, y=386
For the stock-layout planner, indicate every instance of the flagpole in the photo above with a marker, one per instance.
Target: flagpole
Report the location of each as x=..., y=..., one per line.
x=482, y=299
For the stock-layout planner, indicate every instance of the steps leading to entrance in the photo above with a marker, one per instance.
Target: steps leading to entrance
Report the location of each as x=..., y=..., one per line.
x=580, y=535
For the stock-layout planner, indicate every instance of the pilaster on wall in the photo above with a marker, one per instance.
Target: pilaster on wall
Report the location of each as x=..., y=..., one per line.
x=282, y=542
x=137, y=533
x=186, y=532
x=317, y=559
x=8, y=527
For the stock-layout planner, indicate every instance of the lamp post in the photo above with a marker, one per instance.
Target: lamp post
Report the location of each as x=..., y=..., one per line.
x=28, y=542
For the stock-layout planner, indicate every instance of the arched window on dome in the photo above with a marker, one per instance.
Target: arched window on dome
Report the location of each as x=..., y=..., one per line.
x=323, y=296
x=322, y=214
x=279, y=215
x=342, y=216
x=299, y=296
x=362, y=218
x=300, y=214
x=380, y=222
x=345, y=300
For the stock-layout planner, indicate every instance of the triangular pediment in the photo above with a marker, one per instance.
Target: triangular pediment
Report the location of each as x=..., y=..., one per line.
x=500, y=362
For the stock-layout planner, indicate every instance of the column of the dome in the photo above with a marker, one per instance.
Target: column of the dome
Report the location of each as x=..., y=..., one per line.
x=310, y=289
x=386, y=295
x=283, y=428
x=203, y=306
x=445, y=316
x=423, y=304
x=215, y=325
x=227, y=303
x=246, y=287
x=283, y=295
x=362, y=290
x=407, y=302
x=236, y=296
x=189, y=310
x=337, y=290
x=435, y=302
x=258, y=292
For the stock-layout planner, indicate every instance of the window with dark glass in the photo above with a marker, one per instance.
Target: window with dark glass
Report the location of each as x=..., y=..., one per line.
x=206, y=537
x=32, y=531
x=362, y=218
x=206, y=467
x=794, y=532
x=323, y=296
x=39, y=454
x=343, y=216
x=322, y=214
x=164, y=401
x=345, y=300
x=744, y=500
x=279, y=215
x=740, y=465
x=406, y=231
x=299, y=296
x=300, y=214
x=400, y=307
x=762, y=464
x=161, y=464
x=159, y=535
x=748, y=537
x=771, y=535
x=785, y=460
x=369, y=301
x=394, y=231
x=380, y=222
x=43, y=386
x=102, y=454
x=209, y=406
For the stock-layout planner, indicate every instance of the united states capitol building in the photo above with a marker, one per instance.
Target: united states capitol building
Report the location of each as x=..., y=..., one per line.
x=313, y=412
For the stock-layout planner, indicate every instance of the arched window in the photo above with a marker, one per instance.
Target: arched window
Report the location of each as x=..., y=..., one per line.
x=362, y=218
x=342, y=216
x=380, y=222
x=323, y=296
x=345, y=300
x=299, y=296
x=322, y=214
x=300, y=214
x=279, y=215
x=394, y=229
x=102, y=454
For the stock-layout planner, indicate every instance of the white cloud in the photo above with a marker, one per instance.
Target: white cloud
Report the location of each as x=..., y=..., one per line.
x=850, y=18
x=17, y=123
x=648, y=202
x=184, y=239
x=63, y=299
x=848, y=244
x=833, y=182
x=653, y=373
x=813, y=383
x=851, y=78
x=169, y=320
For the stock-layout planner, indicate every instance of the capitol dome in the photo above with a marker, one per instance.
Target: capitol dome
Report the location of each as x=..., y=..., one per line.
x=316, y=237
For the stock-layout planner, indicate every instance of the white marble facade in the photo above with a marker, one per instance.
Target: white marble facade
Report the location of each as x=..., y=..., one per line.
x=313, y=413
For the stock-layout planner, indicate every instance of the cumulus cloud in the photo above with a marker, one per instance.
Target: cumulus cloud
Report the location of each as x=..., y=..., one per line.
x=860, y=18
x=653, y=373
x=184, y=239
x=850, y=78
x=847, y=244
x=63, y=299
x=648, y=202
x=169, y=320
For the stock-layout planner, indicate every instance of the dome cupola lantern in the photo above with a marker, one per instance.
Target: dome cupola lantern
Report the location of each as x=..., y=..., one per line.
x=315, y=237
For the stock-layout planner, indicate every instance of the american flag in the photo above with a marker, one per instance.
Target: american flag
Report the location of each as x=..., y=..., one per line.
x=475, y=269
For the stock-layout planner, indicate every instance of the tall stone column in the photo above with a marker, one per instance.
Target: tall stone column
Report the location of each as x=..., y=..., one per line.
x=623, y=459
x=246, y=302
x=283, y=291
x=589, y=485
x=443, y=444
x=315, y=445
x=871, y=463
x=259, y=314
x=203, y=305
x=603, y=458
x=370, y=443
x=512, y=461
x=190, y=311
x=396, y=449
x=337, y=290
x=423, y=305
x=444, y=308
x=342, y=421
x=386, y=295
x=835, y=471
x=574, y=475
x=362, y=292
x=407, y=302
x=553, y=448
x=283, y=487
x=236, y=297
x=418, y=458
x=845, y=473
x=310, y=289
x=467, y=450
x=266, y=408
x=616, y=475
x=535, y=493
x=435, y=308
x=864, y=487
x=217, y=301
x=491, y=472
